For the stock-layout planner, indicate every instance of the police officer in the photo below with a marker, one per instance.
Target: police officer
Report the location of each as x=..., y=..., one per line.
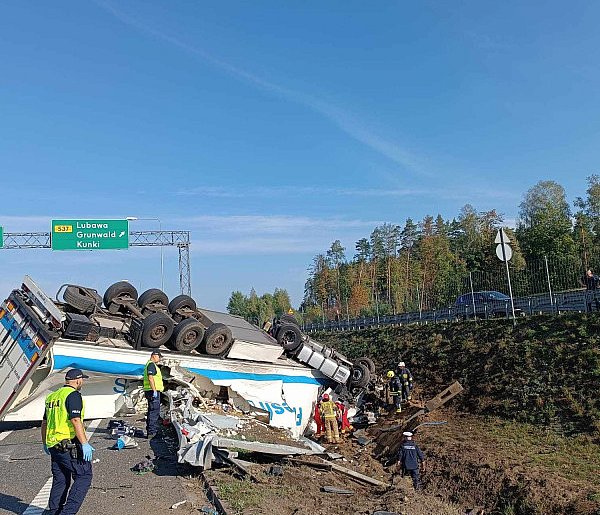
x=409, y=458
x=64, y=439
x=153, y=385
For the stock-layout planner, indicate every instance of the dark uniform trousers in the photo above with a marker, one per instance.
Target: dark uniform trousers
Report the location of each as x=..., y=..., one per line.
x=67, y=470
x=153, y=412
x=414, y=474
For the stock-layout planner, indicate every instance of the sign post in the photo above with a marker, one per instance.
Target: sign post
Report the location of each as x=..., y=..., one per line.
x=89, y=234
x=504, y=253
x=1, y=236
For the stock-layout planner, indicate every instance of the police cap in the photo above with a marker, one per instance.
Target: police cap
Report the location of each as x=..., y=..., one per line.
x=75, y=373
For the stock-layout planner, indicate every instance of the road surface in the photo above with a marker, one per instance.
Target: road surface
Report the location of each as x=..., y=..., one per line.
x=25, y=479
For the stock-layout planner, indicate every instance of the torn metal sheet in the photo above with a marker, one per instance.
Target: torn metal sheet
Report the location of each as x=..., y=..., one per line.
x=288, y=404
x=264, y=448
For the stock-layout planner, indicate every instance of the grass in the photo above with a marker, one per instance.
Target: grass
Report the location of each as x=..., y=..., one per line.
x=243, y=495
x=239, y=494
x=575, y=458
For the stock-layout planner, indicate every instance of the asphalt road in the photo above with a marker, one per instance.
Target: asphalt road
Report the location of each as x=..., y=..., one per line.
x=25, y=475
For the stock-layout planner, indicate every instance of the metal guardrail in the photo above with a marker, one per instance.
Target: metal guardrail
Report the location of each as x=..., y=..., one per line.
x=559, y=302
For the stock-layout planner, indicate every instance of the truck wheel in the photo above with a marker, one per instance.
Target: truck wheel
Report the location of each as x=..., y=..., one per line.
x=368, y=362
x=360, y=376
x=290, y=319
x=217, y=340
x=289, y=336
x=119, y=290
x=152, y=296
x=187, y=335
x=181, y=301
x=84, y=300
x=157, y=328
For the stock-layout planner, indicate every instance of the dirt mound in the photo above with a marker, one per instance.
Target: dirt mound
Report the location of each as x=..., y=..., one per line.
x=511, y=467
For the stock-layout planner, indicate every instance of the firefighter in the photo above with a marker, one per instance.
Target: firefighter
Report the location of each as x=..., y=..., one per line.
x=410, y=457
x=343, y=422
x=319, y=421
x=64, y=439
x=395, y=390
x=406, y=380
x=329, y=412
x=153, y=385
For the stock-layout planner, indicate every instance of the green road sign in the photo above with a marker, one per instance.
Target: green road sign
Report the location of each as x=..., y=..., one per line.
x=1, y=237
x=89, y=234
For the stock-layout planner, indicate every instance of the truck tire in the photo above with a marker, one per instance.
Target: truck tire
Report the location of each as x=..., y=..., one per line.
x=181, y=301
x=82, y=299
x=187, y=335
x=289, y=336
x=217, y=340
x=368, y=362
x=290, y=319
x=157, y=328
x=152, y=296
x=120, y=289
x=360, y=376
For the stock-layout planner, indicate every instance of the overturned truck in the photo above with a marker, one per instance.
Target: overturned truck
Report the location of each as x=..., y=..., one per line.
x=279, y=371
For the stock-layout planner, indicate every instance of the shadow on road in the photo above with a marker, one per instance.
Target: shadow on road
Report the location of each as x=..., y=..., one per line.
x=12, y=504
x=13, y=426
x=166, y=457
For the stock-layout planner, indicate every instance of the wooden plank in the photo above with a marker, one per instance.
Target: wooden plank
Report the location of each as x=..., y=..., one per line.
x=358, y=476
x=442, y=398
x=315, y=464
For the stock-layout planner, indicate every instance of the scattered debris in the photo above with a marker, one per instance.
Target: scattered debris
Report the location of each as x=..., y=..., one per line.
x=274, y=470
x=119, y=428
x=125, y=442
x=178, y=504
x=336, y=490
x=357, y=476
x=143, y=467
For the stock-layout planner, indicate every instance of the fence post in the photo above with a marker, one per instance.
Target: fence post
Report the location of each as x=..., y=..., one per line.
x=549, y=284
x=472, y=295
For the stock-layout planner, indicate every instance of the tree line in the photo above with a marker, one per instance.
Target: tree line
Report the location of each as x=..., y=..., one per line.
x=424, y=264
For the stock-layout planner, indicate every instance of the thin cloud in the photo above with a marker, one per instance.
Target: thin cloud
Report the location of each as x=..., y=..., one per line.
x=342, y=119
x=299, y=191
x=257, y=234
x=467, y=194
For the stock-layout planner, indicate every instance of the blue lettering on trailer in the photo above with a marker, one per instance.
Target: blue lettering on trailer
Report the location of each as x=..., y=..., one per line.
x=278, y=409
x=120, y=385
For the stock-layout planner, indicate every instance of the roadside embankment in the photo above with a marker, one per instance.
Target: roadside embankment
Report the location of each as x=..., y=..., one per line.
x=544, y=371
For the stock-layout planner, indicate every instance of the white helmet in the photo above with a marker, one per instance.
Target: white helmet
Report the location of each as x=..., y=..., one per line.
x=402, y=364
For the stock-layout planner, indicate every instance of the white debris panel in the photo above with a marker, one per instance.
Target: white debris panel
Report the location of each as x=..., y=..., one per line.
x=288, y=404
x=199, y=430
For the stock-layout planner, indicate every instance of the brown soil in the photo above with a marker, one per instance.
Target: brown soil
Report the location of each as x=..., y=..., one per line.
x=508, y=468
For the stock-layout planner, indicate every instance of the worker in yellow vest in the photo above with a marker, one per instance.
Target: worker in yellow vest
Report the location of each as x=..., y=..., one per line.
x=153, y=385
x=64, y=439
x=329, y=413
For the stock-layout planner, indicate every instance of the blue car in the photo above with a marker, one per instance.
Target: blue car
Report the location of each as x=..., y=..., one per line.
x=488, y=304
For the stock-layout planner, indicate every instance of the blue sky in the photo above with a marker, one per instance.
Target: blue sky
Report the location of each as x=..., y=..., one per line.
x=269, y=129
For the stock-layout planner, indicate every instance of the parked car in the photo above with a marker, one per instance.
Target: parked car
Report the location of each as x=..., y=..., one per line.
x=488, y=304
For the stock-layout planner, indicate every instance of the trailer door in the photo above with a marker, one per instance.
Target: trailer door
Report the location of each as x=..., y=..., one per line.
x=25, y=340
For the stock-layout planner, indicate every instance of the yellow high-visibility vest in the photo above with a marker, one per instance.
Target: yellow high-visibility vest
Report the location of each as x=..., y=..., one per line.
x=158, y=380
x=58, y=425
